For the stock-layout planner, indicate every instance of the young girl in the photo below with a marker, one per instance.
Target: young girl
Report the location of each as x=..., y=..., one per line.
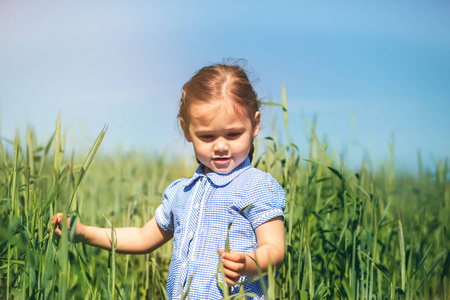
x=219, y=115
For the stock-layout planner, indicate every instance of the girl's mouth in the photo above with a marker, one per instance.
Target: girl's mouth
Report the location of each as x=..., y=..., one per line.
x=221, y=160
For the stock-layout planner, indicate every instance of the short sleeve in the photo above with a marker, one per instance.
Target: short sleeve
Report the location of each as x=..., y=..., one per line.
x=164, y=214
x=267, y=199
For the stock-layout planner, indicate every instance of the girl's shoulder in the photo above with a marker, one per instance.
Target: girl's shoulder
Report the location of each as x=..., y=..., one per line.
x=254, y=177
x=173, y=188
x=180, y=183
x=258, y=191
x=258, y=174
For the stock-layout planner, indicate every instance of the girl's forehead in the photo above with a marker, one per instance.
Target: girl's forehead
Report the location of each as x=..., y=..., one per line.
x=207, y=111
x=201, y=107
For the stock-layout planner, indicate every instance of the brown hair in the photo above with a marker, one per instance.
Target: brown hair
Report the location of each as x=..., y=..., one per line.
x=220, y=82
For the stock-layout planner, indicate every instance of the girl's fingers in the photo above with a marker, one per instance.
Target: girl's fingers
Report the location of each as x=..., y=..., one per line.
x=56, y=222
x=231, y=277
x=56, y=218
x=232, y=265
x=234, y=256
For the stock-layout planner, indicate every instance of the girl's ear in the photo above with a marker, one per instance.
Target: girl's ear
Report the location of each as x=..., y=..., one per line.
x=256, y=121
x=185, y=128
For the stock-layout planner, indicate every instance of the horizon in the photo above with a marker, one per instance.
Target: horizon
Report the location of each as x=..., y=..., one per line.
x=371, y=73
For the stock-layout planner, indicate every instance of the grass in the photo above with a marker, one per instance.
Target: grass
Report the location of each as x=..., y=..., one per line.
x=350, y=234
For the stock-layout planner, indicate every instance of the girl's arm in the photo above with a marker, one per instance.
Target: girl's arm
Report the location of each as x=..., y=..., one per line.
x=270, y=238
x=130, y=240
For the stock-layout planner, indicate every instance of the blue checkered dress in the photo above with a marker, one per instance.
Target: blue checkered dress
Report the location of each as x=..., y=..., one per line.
x=198, y=209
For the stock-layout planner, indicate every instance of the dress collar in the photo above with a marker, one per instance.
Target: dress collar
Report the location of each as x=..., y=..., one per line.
x=221, y=179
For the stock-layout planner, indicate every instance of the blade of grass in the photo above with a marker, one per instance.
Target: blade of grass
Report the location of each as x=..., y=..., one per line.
x=87, y=163
x=402, y=254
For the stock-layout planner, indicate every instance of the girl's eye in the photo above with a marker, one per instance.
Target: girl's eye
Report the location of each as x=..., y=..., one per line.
x=234, y=134
x=206, y=137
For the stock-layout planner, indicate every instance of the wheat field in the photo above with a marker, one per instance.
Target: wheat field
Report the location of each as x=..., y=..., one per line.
x=350, y=233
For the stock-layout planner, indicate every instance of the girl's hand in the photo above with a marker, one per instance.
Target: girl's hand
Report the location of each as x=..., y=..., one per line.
x=233, y=265
x=57, y=223
x=270, y=252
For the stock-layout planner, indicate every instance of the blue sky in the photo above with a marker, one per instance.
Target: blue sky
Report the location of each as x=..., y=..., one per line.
x=368, y=71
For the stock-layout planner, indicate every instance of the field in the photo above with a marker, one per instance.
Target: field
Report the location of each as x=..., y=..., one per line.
x=350, y=234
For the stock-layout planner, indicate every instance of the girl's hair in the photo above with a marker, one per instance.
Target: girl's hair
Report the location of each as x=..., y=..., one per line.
x=221, y=82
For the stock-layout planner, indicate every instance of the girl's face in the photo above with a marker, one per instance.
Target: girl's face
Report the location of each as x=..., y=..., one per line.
x=221, y=137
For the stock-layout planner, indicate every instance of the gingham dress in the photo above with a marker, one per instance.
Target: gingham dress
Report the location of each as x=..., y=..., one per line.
x=197, y=211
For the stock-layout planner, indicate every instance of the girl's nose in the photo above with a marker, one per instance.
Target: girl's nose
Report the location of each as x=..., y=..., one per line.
x=220, y=145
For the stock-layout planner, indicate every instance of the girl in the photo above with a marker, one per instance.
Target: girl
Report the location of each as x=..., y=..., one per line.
x=219, y=115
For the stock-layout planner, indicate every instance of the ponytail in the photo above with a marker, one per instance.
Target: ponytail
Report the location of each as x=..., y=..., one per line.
x=250, y=153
